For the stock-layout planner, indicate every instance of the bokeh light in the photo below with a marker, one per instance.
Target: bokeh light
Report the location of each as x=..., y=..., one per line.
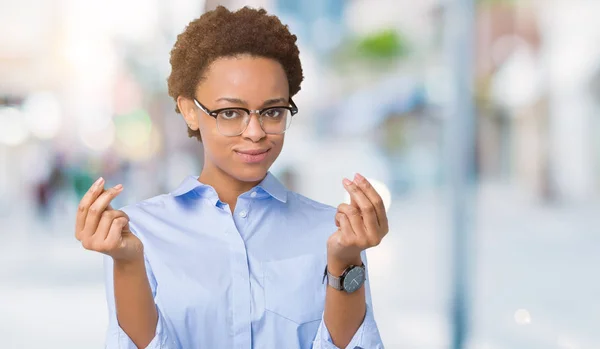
x=13, y=129
x=136, y=137
x=100, y=139
x=43, y=115
x=522, y=317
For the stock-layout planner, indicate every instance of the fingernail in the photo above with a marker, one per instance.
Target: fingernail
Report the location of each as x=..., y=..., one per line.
x=97, y=182
x=119, y=186
x=358, y=177
x=347, y=181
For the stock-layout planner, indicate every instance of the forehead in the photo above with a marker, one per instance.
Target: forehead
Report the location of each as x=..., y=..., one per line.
x=244, y=77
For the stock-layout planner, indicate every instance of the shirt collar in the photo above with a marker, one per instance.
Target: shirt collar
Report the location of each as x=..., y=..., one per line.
x=270, y=184
x=274, y=187
x=188, y=184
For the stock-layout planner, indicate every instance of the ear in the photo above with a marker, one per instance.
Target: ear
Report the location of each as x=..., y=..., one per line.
x=189, y=111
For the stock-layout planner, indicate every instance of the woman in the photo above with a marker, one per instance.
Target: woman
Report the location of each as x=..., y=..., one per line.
x=232, y=259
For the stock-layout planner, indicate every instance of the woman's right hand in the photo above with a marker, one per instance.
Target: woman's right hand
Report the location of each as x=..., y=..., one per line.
x=101, y=228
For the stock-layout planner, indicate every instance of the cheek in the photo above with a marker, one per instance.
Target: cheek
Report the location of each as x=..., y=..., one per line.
x=215, y=144
x=277, y=143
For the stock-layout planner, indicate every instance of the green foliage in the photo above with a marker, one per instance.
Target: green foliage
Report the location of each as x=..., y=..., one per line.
x=378, y=51
x=385, y=44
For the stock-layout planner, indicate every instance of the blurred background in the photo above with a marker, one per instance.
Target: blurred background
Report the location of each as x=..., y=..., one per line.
x=83, y=94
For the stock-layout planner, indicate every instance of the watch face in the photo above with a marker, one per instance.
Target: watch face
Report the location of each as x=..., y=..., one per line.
x=354, y=279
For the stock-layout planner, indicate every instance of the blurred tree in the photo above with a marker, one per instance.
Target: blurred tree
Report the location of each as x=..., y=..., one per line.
x=387, y=44
x=379, y=51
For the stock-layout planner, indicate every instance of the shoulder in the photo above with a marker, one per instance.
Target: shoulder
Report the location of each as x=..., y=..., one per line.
x=147, y=207
x=310, y=212
x=147, y=216
x=299, y=201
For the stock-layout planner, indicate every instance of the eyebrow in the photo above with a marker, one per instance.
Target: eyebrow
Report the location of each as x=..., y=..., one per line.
x=274, y=101
x=266, y=103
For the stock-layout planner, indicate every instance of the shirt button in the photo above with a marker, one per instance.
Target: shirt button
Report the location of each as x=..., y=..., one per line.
x=253, y=194
x=243, y=214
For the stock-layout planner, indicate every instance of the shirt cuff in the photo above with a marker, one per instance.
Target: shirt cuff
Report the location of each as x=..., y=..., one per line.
x=366, y=337
x=160, y=341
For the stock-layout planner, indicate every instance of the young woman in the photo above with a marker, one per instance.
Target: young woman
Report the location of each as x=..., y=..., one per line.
x=231, y=258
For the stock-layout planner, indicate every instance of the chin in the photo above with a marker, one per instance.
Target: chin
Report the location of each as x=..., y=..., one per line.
x=249, y=173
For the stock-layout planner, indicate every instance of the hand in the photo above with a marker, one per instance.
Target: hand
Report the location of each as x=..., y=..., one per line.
x=101, y=228
x=362, y=224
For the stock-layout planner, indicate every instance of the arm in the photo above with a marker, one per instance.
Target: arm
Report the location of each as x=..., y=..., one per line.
x=366, y=335
x=102, y=229
x=344, y=312
x=362, y=225
x=135, y=308
x=134, y=319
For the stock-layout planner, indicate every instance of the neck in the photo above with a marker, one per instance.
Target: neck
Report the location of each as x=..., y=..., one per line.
x=227, y=187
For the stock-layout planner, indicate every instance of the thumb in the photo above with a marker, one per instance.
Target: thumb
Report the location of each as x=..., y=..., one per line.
x=334, y=239
x=338, y=218
x=126, y=228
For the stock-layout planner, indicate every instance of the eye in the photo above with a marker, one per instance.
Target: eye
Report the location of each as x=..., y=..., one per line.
x=275, y=113
x=230, y=114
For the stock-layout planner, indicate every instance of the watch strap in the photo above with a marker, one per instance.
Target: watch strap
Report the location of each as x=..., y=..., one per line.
x=334, y=281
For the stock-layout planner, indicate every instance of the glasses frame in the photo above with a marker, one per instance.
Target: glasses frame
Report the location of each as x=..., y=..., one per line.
x=293, y=109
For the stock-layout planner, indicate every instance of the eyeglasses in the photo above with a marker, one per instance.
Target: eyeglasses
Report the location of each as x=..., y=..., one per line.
x=234, y=121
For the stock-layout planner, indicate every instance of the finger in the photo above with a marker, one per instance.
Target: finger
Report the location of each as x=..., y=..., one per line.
x=352, y=199
x=109, y=205
x=348, y=237
x=108, y=217
x=115, y=233
x=375, y=199
x=354, y=217
x=90, y=196
x=99, y=206
x=337, y=219
x=364, y=204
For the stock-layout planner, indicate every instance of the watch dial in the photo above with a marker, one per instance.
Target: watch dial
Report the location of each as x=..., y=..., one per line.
x=354, y=279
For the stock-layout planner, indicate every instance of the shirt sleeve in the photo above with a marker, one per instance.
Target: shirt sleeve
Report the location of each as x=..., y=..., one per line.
x=116, y=338
x=366, y=337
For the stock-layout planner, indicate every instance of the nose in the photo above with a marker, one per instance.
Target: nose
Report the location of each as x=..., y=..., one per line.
x=254, y=130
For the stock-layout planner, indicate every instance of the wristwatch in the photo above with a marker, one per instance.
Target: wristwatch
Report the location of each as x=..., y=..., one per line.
x=351, y=279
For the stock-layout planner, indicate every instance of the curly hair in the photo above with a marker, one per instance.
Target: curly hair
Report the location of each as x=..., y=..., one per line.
x=223, y=33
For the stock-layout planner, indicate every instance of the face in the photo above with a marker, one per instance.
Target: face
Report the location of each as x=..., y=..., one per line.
x=248, y=82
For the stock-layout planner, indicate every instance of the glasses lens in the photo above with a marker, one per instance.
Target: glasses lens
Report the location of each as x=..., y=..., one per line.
x=231, y=122
x=276, y=120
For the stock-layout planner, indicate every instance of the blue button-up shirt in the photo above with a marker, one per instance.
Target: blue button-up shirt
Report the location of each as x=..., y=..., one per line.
x=248, y=279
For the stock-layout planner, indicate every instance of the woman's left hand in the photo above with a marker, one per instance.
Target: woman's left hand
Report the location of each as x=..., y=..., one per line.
x=361, y=224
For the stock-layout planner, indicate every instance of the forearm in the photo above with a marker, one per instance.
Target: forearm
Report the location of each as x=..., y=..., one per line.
x=135, y=308
x=344, y=312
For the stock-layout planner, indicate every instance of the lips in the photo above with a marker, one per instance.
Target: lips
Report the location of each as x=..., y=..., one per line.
x=252, y=156
x=253, y=151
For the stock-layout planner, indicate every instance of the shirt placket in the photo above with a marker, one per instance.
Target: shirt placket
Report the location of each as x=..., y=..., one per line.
x=240, y=279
